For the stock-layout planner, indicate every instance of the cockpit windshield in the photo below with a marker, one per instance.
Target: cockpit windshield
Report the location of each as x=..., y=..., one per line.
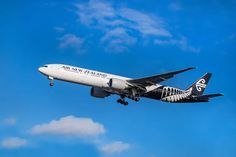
x=45, y=66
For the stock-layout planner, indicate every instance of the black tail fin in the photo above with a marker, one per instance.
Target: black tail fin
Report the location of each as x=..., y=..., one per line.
x=199, y=86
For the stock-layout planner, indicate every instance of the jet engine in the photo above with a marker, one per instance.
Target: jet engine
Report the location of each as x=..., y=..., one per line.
x=118, y=84
x=98, y=92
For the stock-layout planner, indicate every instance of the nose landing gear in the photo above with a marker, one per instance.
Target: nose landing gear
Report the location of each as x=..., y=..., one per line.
x=51, y=84
x=51, y=81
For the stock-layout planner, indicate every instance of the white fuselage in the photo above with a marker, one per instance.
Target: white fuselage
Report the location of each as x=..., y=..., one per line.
x=82, y=76
x=78, y=75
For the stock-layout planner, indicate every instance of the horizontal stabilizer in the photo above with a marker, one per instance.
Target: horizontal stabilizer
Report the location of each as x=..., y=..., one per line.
x=207, y=97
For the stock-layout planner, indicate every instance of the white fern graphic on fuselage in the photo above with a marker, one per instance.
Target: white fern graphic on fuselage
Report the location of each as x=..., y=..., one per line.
x=170, y=94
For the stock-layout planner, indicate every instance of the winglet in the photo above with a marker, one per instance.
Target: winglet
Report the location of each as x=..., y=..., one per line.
x=183, y=70
x=190, y=68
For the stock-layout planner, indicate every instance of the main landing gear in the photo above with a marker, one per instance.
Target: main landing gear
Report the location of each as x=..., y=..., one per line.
x=51, y=81
x=122, y=101
x=134, y=98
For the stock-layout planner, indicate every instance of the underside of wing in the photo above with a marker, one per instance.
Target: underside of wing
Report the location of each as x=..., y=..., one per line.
x=152, y=80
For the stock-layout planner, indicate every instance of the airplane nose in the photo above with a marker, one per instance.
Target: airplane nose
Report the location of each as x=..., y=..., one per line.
x=40, y=69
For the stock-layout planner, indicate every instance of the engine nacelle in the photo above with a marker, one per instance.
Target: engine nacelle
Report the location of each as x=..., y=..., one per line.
x=118, y=84
x=98, y=92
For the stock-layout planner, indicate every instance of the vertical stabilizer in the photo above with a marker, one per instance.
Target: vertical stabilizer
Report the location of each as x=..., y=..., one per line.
x=199, y=86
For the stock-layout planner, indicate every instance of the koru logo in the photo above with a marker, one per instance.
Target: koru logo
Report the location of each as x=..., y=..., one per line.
x=201, y=84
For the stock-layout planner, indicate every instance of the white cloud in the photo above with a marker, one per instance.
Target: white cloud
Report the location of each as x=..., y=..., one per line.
x=96, y=13
x=59, y=29
x=70, y=126
x=13, y=142
x=114, y=147
x=175, y=6
x=83, y=128
x=118, y=39
x=122, y=27
x=128, y=24
x=182, y=43
x=144, y=23
x=71, y=41
x=102, y=14
x=10, y=121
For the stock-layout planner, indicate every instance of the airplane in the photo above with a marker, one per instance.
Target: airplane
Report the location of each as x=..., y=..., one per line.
x=104, y=84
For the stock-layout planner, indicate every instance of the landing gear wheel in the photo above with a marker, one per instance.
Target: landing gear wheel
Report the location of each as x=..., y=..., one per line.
x=125, y=103
x=122, y=101
x=119, y=101
x=51, y=81
x=136, y=99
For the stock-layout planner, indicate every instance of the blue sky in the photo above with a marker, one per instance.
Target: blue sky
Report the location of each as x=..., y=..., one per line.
x=129, y=38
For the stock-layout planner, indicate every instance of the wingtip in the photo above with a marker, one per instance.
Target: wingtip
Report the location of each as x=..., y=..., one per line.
x=220, y=94
x=192, y=68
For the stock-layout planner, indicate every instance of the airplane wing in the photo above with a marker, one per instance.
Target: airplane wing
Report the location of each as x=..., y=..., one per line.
x=152, y=80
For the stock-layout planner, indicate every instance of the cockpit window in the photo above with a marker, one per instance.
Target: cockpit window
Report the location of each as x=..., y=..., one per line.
x=45, y=66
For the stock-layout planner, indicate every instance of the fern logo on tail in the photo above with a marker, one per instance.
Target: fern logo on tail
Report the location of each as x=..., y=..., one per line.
x=200, y=85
